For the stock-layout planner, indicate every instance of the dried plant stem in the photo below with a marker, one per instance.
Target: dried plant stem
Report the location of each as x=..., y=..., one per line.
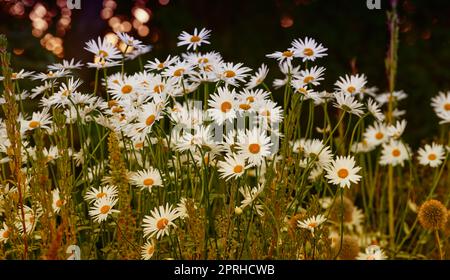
x=438, y=244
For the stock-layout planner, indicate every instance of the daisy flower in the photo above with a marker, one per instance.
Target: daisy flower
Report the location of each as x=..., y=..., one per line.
x=124, y=88
x=232, y=167
x=233, y=73
x=4, y=233
x=158, y=65
x=38, y=120
x=342, y=171
x=394, y=153
x=308, y=49
x=385, y=97
x=148, y=249
x=258, y=78
x=129, y=41
x=106, y=191
x=31, y=219
x=66, y=65
x=283, y=56
x=160, y=221
x=374, y=109
x=373, y=252
x=312, y=223
x=315, y=149
x=431, y=155
x=57, y=201
x=195, y=40
x=103, y=49
x=396, y=131
x=269, y=114
x=178, y=70
x=146, y=179
x=222, y=105
x=288, y=71
x=254, y=146
x=50, y=75
x=353, y=84
x=102, y=208
x=250, y=195
x=348, y=103
x=312, y=76
x=100, y=63
x=441, y=106
x=22, y=74
x=376, y=134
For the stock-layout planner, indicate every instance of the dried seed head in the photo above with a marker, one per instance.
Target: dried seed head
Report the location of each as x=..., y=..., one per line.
x=350, y=248
x=335, y=213
x=433, y=215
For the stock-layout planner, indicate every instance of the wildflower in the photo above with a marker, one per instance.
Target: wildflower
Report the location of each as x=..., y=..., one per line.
x=348, y=103
x=374, y=109
x=254, y=146
x=312, y=75
x=103, y=50
x=38, y=120
x=65, y=65
x=195, y=40
x=102, y=208
x=146, y=179
x=160, y=221
x=352, y=85
x=258, y=78
x=283, y=56
x=222, y=105
x=376, y=134
x=312, y=223
x=148, y=249
x=441, y=106
x=233, y=73
x=4, y=233
x=250, y=195
x=316, y=150
x=431, y=155
x=342, y=171
x=372, y=252
x=394, y=153
x=57, y=201
x=158, y=65
x=105, y=191
x=232, y=167
x=308, y=49
x=396, y=131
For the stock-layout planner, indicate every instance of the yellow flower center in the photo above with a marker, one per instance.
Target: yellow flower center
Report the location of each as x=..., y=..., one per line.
x=150, y=120
x=265, y=113
x=288, y=53
x=105, y=209
x=162, y=223
x=229, y=73
x=308, y=79
x=312, y=225
x=225, y=107
x=195, y=39
x=102, y=53
x=117, y=109
x=396, y=152
x=139, y=145
x=250, y=99
x=101, y=194
x=308, y=52
x=238, y=169
x=351, y=89
x=150, y=250
x=13, y=75
x=254, y=148
x=379, y=135
x=178, y=72
x=302, y=90
x=245, y=106
x=203, y=60
x=447, y=106
x=148, y=182
x=432, y=156
x=59, y=203
x=126, y=89
x=158, y=88
x=160, y=65
x=342, y=173
x=5, y=234
x=34, y=124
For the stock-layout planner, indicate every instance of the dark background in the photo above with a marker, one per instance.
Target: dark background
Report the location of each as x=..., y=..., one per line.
x=245, y=31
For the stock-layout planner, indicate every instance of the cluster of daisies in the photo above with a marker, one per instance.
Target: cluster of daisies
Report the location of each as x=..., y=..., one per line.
x=235, y=126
